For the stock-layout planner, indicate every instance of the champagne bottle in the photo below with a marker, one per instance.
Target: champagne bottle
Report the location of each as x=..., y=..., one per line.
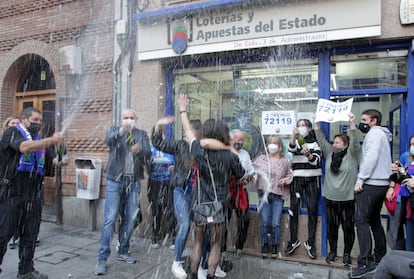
x=302, y=141
x=61, y=151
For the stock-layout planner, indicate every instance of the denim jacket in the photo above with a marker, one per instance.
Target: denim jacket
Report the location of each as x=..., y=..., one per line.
x=118, y=148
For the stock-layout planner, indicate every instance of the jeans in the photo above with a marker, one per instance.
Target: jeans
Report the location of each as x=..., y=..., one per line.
x=129, y=190
x=395, y=264
x=271, y=213
x=368, y=204
x=182, y=203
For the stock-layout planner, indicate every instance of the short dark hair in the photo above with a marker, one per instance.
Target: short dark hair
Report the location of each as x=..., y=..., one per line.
x=373, y=114
x=343, y=137
x=27, y=112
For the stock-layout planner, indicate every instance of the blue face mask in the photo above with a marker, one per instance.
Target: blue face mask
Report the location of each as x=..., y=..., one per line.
x=412, y=150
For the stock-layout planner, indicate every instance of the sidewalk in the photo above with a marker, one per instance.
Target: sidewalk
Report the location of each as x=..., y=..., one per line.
x=69, y=252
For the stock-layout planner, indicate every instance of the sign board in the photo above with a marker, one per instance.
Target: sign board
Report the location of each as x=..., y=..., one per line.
x=328, y=111
x=278, y=122
x=279, y=23
x=407, y=11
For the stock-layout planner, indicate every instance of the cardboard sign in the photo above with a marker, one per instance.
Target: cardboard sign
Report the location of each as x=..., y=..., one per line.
x=328, y=111
x=279, y=122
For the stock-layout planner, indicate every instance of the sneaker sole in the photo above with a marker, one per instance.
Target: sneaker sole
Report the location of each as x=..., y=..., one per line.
x=179, y=276
x=128, y=262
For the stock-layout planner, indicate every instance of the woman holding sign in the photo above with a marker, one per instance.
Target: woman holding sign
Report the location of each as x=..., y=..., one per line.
x=306, y=165
x=341, y=169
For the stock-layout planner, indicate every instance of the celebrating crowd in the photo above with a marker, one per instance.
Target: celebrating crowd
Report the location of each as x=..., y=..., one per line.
x=196, y=183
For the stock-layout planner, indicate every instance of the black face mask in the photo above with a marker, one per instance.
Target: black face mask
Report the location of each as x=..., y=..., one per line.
x=238, y=145
x=34, y=128
x=363, y=127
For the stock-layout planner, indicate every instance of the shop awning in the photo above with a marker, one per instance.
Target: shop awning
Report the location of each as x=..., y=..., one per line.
x=189, y=9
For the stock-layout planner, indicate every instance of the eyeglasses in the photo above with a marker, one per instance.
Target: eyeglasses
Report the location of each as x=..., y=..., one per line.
x=133, y=118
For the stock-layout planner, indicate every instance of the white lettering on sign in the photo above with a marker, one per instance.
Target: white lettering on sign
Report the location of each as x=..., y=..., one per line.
x=328, y=111
x=264, y=26
x=279, y=122
x=301, y=22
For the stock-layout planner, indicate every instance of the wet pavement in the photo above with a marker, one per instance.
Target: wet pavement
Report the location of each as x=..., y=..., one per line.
x=71, y=252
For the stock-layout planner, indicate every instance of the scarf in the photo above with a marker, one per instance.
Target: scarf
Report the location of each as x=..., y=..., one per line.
x=32, y=161
x=337, y=160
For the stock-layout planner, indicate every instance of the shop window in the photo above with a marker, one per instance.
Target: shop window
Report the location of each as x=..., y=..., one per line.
x=369, y=71
x=240, y=93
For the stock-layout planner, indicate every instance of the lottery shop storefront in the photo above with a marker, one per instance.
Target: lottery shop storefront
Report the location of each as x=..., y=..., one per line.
x=262, y=67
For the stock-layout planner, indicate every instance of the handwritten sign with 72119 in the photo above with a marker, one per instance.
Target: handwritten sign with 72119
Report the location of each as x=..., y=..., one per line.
x=328, y=111
x=279, y=122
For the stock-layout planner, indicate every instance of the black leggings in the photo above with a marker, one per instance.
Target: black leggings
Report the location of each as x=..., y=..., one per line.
x=340, y=213
x=311, y=187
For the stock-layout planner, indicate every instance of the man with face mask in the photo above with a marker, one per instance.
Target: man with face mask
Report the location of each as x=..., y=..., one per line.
x=21, y=177
x=370, y=189
x=129, y=149
x=238, y=196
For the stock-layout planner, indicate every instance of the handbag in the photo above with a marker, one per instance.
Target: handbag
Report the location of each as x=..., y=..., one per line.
x=392, y=205
x=205, y=213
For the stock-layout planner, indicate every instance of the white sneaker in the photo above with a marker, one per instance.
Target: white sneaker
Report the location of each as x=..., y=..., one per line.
x=202, y=273
x=178, y=270
x=219, y=272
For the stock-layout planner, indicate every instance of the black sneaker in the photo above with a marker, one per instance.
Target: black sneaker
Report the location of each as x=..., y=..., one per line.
x=347, y=260
x=292, y=246
x=226, y=265
x=362, y=271
x=310, y=250
x=274, y=251
x=331, y=257
x=265, y=250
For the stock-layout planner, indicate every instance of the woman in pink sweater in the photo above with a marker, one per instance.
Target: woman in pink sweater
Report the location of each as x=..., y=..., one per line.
x=274, y=176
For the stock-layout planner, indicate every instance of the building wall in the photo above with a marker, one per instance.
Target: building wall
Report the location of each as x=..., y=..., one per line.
x=42, y=28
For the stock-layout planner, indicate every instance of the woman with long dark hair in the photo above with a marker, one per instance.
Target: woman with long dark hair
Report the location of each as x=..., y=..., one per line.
x=222, y=164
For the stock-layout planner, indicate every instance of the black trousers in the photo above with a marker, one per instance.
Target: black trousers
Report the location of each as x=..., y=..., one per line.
x=243, y=221
x=368, y=204
x=311, y=187
x=160, y=196
x=340, y=213
x=22, y=214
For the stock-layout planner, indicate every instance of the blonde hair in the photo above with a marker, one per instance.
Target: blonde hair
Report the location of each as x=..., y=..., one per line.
x=8, y=120
x=279, y=142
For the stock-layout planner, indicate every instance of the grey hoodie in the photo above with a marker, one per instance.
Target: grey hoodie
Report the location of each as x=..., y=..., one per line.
x=376, y=157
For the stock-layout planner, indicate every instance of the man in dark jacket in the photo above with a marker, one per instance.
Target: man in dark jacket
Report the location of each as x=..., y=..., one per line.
x=129, y=149
x=21, y=188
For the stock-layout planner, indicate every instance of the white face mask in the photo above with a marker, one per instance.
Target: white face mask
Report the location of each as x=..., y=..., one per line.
x=273, y=148
x=303, y=131
x=130, y=122
x=412, y=150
